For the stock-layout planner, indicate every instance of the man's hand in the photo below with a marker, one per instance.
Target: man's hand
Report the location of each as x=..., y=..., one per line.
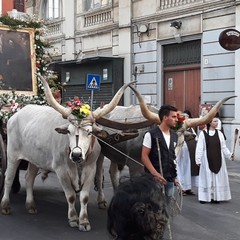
x=176, y=182
x=160, y=178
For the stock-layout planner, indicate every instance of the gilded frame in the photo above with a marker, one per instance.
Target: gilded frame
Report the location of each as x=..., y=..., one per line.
x=17, y=61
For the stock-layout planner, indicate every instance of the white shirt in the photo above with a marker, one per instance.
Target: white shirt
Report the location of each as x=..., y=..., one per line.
x=147, y=141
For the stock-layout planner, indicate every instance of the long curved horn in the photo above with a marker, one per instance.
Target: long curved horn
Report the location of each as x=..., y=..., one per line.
x=51, y=100
x=190, y=122
x=151, y=116
x=193, y=122
x=99, y=112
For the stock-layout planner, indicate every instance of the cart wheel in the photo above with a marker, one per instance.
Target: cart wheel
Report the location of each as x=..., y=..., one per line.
x=3, y=164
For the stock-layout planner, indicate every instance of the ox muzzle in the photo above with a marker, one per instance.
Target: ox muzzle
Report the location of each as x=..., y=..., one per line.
x=76, y=153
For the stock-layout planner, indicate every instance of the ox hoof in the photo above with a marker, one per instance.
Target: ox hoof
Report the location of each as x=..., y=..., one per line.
x=5, y=208
x=102, y=205
x=6, y=211
x=73, y=223
x=84, y=226
x=31, y=208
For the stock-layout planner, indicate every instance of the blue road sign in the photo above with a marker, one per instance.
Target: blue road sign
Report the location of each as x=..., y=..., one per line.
x=93, y=82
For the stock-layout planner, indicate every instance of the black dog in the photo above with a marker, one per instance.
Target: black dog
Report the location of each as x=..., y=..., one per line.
x=138, y=210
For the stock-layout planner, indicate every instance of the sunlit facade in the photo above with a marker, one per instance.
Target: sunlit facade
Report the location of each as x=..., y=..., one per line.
x=170, y=47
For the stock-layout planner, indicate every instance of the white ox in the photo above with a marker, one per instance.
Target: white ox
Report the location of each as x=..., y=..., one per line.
x=51, y=138
x=134, y=117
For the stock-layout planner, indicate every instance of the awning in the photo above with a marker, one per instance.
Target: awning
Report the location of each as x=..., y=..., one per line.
x=87, y=60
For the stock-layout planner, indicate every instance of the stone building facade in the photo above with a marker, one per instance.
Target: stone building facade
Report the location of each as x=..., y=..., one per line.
x=169, y=46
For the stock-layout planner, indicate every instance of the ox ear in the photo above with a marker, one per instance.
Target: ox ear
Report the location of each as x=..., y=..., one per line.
x=62, y=129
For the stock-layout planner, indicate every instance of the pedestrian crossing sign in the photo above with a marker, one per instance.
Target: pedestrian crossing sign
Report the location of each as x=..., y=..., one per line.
x=93, y=82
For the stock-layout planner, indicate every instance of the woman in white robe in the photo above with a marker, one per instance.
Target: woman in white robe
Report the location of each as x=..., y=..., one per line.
x=213, y=186
x=184, y=169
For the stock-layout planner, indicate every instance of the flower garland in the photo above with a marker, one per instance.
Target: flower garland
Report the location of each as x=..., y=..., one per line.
x=79, y=109
x=11, y=103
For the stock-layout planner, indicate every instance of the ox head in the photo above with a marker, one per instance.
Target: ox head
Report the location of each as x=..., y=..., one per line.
x=81, y=141
x=188, y=123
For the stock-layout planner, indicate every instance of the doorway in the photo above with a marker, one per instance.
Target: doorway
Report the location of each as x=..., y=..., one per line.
x=182, y=89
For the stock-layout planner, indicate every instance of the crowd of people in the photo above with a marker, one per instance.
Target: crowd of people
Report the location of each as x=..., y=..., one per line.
x=201, y=163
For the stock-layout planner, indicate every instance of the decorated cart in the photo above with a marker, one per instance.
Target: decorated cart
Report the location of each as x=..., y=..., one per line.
x=23, y=53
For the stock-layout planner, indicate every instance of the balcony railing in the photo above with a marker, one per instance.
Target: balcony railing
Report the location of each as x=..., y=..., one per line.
x=175, y=3
x=97, y=18
x=54, y=28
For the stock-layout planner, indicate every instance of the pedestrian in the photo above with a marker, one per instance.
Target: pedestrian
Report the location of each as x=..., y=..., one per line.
x=184, y=173
x=191, y=142
x=167, y=140
x=211, y=152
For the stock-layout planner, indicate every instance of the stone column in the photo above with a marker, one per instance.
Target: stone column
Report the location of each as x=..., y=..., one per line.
x=68, y=9
x=125, y=41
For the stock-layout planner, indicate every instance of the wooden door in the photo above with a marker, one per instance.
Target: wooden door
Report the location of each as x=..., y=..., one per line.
x=182, y=89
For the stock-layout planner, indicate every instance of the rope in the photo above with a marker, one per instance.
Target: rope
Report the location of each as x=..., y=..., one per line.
x=118, y=151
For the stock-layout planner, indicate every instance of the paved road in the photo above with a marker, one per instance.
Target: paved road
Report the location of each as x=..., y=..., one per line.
x=196, y=222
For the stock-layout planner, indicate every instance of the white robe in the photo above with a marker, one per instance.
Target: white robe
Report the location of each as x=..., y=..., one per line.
x=211, y=185
x=184, y=169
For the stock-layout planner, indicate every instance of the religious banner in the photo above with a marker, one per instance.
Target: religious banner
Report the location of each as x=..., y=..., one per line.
x=17, y=61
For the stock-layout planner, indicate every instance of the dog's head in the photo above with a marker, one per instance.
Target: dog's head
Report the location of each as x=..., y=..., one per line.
x=150, y=223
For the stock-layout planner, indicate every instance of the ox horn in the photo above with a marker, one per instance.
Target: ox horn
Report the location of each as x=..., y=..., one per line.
x=99, y=112
x=52, y=101
x=193, y=122
x=190, y=122
x=151, y=116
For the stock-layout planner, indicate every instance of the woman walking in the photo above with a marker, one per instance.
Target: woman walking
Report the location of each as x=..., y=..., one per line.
x=211, y=152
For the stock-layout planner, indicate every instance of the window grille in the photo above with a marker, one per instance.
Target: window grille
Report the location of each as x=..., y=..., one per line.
x=182, y=54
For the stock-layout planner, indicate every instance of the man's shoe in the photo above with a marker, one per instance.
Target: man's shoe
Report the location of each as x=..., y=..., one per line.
x=214, y=201
x=202, y=202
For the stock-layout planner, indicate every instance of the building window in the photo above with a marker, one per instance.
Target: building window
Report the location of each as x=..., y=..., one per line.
x=93, y=4
x=19, y=5
x=51, y=9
